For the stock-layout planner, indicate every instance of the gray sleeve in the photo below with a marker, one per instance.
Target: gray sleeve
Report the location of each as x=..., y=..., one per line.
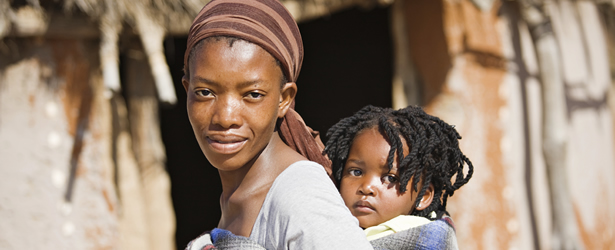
x=308, y=212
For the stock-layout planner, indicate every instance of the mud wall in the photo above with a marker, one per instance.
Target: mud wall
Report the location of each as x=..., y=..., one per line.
x=478, y=70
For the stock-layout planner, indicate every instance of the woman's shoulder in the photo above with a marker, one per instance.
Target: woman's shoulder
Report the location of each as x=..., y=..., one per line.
x=306, y=166
x=305, y=172
x=304, y=177
x=303, y=208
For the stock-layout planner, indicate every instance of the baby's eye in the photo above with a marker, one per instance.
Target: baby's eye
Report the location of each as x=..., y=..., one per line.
x=355, y=172
x=390, y=179
x=203, y=92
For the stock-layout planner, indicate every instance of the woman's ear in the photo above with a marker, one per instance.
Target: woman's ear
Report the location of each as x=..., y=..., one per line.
x=289, y=91
x=427, y=198
x=186, y=83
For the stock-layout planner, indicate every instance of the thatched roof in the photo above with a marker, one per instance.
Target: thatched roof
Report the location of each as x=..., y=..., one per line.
x=32, y=17
x=151, y=20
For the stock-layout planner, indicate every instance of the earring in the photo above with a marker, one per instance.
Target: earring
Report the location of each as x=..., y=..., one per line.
x=418, y=206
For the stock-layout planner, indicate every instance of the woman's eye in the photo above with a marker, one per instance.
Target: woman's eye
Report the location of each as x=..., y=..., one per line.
x=203, y=92
x=255, y=95
x=355, y=172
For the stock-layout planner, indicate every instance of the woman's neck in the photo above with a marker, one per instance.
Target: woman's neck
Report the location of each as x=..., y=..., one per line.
x=244, y=190
x=261, y=170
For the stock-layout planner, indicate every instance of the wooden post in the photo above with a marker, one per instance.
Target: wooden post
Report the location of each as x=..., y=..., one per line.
x=149, y=150
x=565, y=233
x=152, y=36
x=110, y=27
x=405, y=83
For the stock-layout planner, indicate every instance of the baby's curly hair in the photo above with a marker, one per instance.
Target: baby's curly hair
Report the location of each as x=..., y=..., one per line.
x=434, y=156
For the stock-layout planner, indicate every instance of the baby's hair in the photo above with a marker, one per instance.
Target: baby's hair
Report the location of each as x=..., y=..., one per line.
x=434, y=156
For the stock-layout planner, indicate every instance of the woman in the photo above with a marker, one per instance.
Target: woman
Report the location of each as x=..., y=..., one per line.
x=241, y=64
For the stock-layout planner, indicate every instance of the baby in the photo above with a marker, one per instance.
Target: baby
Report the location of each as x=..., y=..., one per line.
x=394, y=170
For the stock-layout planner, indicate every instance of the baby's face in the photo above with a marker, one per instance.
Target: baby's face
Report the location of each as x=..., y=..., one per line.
x=368, y=188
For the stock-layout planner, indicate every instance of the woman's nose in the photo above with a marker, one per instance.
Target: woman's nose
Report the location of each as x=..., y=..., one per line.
x=227, y=113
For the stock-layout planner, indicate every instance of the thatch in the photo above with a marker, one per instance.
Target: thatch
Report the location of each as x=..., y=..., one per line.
x=172, y=15
x=152, y=20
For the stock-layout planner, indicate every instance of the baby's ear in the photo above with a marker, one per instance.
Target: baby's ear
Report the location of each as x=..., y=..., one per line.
x=427, y=198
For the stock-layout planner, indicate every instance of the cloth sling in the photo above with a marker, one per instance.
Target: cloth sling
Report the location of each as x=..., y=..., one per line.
x=436, y=235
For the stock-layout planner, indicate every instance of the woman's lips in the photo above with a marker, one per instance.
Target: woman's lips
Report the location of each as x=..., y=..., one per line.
x=226, y=144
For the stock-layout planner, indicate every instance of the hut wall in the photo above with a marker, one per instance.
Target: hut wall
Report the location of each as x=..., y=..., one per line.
x=48, y=92
x=58, y=118
x=490, y=88
x=587, y=80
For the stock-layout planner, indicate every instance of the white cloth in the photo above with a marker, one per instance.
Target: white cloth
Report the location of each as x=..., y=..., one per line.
x=397, y=224
x=304, y=210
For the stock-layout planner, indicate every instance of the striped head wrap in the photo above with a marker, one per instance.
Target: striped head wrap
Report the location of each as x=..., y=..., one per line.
x=268, y=24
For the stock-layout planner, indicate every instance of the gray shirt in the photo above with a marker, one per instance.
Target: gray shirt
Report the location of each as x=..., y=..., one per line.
x=304, y=210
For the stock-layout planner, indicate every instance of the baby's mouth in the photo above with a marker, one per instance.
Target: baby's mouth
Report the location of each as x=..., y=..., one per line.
x=364, y=207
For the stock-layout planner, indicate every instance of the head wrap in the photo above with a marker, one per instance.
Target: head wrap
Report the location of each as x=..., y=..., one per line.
x=268, y=24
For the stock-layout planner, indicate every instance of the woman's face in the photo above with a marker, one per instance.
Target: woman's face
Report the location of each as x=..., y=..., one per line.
x=368, y=188
x=234, y=99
